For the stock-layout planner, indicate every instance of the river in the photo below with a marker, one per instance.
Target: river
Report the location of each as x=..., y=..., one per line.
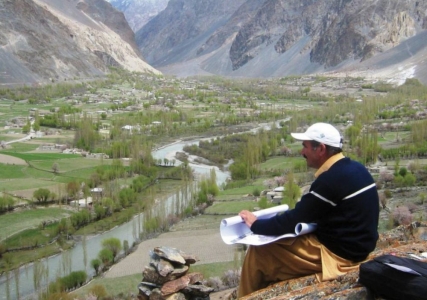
x=21, y=285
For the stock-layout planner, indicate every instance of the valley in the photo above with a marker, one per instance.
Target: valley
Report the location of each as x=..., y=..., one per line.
x=127, y=113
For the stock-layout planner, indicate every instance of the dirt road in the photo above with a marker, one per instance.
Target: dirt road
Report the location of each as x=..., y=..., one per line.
x=206, y=244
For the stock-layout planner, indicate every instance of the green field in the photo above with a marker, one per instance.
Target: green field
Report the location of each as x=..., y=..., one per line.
x=12, y=223
x=40, y=156
x=69, y=164
x=281, y=162
x=231, y=207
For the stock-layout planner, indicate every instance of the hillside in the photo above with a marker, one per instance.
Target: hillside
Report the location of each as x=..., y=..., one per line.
x=274, y=38
x=139, y=12
x=52, y=40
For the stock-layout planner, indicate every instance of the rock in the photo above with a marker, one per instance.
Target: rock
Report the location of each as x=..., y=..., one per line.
x=189, y=258
x=166, y=277
x=171, y=254
x=197, y=290
x=163, y=266
x=156, y=294
x=176, y=296
x=150, y=274
x=175, y=285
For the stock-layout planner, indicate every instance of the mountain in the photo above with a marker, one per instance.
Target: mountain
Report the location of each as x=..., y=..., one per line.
x=273, y=38
x=176, y=33
x=54, y=40
x=139, y=12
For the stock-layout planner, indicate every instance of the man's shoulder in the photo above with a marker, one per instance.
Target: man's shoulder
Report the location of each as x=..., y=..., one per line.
x=347, y=166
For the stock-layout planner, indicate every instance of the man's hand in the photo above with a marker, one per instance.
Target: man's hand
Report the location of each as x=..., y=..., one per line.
x=248, y=217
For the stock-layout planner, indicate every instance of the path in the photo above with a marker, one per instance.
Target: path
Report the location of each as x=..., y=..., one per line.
x=206, y=244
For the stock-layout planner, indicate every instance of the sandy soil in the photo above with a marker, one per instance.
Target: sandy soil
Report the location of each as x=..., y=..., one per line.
x=7, y=159
x=206, y=244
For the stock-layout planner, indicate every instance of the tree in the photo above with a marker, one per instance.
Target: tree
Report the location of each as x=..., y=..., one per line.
x=95, y=264
x=106, y=256
x=126, y=247
x=73, y=188
x=292, y=191
x=55, y=168
x=41, y=195
x=26, y=128
x=112, y=244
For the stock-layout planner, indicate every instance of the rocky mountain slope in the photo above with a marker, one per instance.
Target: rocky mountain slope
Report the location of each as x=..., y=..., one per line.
x=54, y=40
x=139, y=12
x=263, y=38
x=407, y=241
x=177, y=33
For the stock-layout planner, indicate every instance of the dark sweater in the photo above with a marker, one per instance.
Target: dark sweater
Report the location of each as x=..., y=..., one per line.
x=344, y=203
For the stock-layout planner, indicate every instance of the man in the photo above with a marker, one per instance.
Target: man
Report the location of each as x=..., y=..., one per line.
x=343, y=201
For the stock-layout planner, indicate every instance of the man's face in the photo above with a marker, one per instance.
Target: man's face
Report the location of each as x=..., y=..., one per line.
x=311, y=154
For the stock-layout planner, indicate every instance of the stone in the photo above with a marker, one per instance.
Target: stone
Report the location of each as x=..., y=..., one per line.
x=178, y=272
x=176, y=296
x=156, y=294
x=164, y=267
x=189, y=258
x=150, y=274
x=175, y=285
x=197, y=290
x=171, y=254
x=195, y=277
x=167, y=277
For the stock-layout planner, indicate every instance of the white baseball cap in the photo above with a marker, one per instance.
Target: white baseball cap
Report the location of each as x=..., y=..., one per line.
x=321, y=132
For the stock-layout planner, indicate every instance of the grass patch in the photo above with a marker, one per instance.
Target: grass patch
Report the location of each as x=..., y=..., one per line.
x=127, y=285
x=114, y=286
x=248, y=189
x=214, y=269
x=24, y=184
x=12, y=171
x=21, y=147
x=281, y=162
x=41, y=156
x=11, y=223
x=198, y=223
x=233, y=207
x=70, y=164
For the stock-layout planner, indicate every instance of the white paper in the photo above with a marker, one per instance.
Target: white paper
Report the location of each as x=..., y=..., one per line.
x=234, y=230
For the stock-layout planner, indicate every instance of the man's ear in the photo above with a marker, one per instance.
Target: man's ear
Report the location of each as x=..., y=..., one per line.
x=322, y=149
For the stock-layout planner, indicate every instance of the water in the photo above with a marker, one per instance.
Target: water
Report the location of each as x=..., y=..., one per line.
x=21, y=284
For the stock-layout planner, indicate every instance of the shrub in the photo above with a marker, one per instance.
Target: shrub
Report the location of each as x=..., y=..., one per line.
x=401, y=216
x=106, y=256
x=59, y=296
x=231, y=278
x=3, y=249
x=256, y=192
x=98, y=291
x=73, y=280
x=95, y=263
x=215, y=283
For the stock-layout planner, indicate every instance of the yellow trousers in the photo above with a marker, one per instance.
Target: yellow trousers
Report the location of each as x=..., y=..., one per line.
x=290, y=258
x=278, y=261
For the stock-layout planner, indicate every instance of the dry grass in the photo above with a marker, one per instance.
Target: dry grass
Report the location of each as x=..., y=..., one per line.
x=7, y=159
